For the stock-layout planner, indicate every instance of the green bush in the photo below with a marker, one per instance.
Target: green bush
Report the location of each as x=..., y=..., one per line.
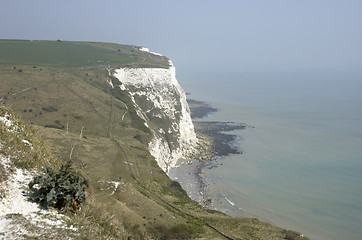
x=63, y=190
x=291, y=235
x=177, y=190
x=50, y=109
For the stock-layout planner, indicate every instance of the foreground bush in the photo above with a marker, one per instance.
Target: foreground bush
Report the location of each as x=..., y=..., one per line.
x=63, y=190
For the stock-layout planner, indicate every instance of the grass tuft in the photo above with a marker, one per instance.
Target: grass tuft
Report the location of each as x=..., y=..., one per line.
x=22, y=143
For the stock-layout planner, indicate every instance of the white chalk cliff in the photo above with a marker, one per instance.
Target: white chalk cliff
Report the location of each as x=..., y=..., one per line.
x=161, y=102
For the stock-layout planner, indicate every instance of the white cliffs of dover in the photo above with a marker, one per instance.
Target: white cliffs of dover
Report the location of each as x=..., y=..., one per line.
x=161, y=102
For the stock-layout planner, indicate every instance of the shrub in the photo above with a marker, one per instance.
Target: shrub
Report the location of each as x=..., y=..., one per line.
x=50, y=109
x=52, y=126
x=177, y=190
x=185, y=231
x=63, y=190
x=179, y=231
x=291, y=235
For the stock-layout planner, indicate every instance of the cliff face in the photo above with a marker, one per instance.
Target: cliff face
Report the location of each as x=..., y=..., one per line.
x=161, y=103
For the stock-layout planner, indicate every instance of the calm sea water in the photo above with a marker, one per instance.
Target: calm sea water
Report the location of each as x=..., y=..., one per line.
x=301, y=166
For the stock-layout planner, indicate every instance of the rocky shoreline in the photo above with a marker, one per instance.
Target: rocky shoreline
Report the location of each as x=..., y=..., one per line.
x=215, y=138
x=200, y=109
x=215, y=141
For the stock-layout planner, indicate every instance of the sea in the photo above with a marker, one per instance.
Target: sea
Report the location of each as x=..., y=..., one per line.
x=301, y=166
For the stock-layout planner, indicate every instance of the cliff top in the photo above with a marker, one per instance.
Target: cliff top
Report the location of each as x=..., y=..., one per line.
x=77, y=54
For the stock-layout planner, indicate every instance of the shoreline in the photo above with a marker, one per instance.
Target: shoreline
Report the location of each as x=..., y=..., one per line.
x=199, y=187
x=215, y=143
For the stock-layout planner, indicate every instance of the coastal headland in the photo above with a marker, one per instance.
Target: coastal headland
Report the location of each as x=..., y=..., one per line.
x=86, y=114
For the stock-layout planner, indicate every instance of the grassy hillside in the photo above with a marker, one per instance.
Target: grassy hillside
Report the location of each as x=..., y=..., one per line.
x=61, y=88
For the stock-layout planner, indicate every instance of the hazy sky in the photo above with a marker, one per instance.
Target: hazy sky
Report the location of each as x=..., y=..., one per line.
x=247, y=35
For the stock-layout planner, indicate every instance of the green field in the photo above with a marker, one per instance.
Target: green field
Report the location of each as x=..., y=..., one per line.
x=75, y=54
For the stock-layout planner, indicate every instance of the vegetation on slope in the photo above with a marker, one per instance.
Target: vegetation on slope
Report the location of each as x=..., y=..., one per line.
x=95, y=126
x=22, y=143
x=22, y=155
x=63, y=189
